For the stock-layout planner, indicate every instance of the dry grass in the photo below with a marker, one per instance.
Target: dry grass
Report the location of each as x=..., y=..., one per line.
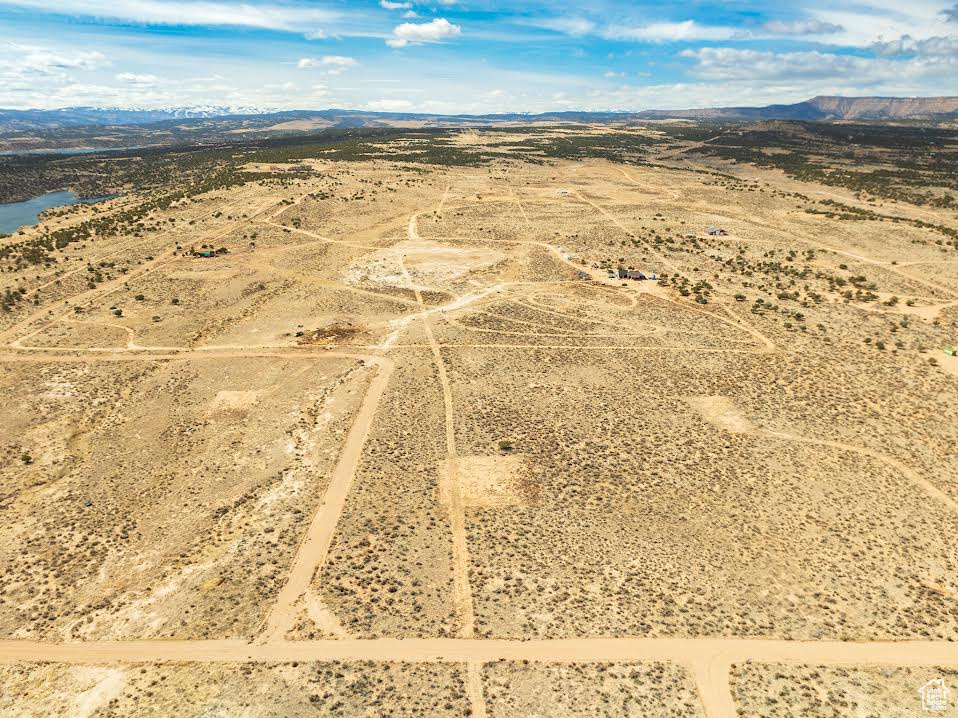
x=784, y=691
x=253, y=689
x=653, y=690
x=163, y=499
x=630, y=461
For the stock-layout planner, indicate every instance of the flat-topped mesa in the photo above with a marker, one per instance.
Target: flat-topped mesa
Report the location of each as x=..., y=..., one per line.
x=848, y=108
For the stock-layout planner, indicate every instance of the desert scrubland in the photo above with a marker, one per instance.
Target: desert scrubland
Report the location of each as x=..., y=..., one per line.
x=411, y=446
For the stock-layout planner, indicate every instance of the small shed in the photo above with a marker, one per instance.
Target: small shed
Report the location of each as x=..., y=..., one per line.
x=623, y=273
x=716, y=231
x=205, y=253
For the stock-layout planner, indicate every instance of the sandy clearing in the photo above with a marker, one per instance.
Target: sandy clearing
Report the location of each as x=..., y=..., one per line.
x=109, y=683
x=721, y=412
x=484, y=481
x=948, y=364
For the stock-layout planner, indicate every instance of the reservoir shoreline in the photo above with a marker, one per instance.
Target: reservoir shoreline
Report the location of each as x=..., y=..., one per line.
x=15, y=215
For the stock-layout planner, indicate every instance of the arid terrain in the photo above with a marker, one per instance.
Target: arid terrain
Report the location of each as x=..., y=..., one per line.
x=397, y=429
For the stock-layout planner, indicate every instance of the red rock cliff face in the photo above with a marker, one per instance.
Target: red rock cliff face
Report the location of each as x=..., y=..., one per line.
x=850, y=108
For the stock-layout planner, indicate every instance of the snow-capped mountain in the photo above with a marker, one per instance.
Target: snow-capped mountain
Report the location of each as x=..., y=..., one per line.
x=13, y=120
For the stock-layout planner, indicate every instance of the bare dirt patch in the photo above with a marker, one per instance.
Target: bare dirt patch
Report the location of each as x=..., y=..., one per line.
x=233, y=402
x=420, y=264
x=341, y=332
x=486, y=481
x=720, y=411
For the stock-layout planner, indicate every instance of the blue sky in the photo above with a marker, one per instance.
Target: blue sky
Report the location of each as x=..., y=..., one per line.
x=469, y=55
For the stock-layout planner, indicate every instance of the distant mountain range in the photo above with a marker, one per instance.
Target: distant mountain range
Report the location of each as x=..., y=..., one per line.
x=14, y=120
x=824, y=108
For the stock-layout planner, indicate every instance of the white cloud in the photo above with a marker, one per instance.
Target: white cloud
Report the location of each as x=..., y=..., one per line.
x=575, y=26
x=434, y=31
x=801, y=27
x=184, y=12
x=685, y=30
x=388, y=5
x=389, y=105
x=44, y=61
x=133, y=78
x=929, y=47
x=870, y=21
x=340, y=62
x=812, y=67
x=671, y=32
x=610, y=73
x=726, y=63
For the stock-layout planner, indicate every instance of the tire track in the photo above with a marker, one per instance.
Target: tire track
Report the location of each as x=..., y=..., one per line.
x=451, y=490
x=314, y=549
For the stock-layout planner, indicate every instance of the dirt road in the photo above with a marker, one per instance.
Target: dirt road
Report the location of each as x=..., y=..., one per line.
x=708, y=658
x=458, y=650
x=922, y=483
x=45, y=314
x=451, y=490
x=314, y=548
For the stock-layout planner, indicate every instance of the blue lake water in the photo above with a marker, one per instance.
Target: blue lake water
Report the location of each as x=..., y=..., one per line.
x=14, y=215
